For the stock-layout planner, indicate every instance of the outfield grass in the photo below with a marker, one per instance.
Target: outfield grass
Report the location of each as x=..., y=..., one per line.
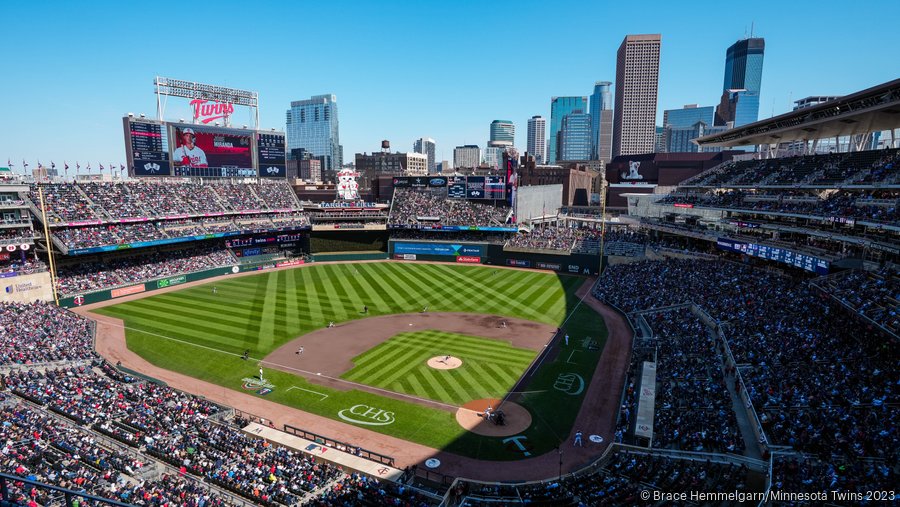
x=201, y=334
x=490, y=367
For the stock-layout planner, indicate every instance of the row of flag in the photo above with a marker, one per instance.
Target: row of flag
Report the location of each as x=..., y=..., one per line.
x=112, y=167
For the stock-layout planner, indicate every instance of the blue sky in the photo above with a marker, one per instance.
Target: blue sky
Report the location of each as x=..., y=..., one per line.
x=400, y=70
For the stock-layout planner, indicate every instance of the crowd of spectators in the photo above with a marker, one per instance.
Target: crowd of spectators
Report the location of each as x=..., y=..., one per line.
x=693, y=410
x=471, y=236
x=16, y=235
x=70, y=202
x=619, y=480
x=82, y=277
x=873, y=294
x=865, y=167
x=871, y=205
x=41, y=333
x=822, y=384
x=413, y=207
x=22, y=265
x=113, y=234
x=545, y=238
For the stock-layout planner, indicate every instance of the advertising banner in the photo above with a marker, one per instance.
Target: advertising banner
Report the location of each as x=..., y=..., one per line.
x=26, y=288
x=439, y=249
x=125, y=291
x=168, y=282
x=468, y=259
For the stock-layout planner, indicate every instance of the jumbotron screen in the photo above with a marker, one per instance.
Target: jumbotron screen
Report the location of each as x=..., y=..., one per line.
x=197, y=149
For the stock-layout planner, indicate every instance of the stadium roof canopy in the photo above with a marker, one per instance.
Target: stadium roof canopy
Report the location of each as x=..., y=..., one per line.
x=869, y=110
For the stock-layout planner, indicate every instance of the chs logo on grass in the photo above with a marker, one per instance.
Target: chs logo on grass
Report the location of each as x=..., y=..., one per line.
x=369, y=416
x=151, y=167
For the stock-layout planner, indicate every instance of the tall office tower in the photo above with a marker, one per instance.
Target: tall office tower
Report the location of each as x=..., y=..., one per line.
x=466, y=157
x=492, y=156
x=426, y=146
x=559, y=108
x=678, y=123
x=575, y=136
x=601, y=122
x=637, y=84
x=537, y=139
x=313, y=125
x=503, y=133
x=742, y=83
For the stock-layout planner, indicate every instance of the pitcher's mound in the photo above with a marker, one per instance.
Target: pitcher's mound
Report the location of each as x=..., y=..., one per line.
x=471, y=417
x=444, y=362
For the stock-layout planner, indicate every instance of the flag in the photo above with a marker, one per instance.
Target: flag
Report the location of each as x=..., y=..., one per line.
x=101, y=167
x=66, y=165
x=24, y=164
x=9, y=163
x=77, y=166
x=121, y=167
x=52, y=165
x=39, y=165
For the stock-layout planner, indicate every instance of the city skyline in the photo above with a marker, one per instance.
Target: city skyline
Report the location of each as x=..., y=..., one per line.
x=73, y=72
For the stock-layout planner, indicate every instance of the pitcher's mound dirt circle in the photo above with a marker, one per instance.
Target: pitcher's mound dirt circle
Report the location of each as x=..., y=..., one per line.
x=444, y=362
x=471, y=417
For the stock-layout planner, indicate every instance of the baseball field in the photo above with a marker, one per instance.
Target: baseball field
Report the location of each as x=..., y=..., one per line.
x=373, y=361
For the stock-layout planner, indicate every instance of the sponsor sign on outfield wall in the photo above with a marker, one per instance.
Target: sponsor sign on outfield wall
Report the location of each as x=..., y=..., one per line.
x=125, y=291
x=468, y=259
x=438, y=249
x=168, y=282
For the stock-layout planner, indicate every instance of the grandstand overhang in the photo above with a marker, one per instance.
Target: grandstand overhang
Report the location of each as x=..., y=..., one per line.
x=870, y=110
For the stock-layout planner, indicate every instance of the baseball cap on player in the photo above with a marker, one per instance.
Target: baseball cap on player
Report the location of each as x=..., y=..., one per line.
x=188, y=131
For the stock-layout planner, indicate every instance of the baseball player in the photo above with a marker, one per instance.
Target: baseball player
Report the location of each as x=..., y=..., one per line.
x=189, y=154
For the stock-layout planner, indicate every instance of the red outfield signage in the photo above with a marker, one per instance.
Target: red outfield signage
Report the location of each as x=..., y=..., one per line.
x=468, y=259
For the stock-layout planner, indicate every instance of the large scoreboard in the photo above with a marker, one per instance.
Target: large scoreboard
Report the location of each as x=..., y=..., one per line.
x=490, y=187
x=157, y=148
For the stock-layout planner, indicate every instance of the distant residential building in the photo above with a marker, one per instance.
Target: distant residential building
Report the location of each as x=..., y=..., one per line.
x=426, y=145
x=537, y=138
x=503, y=133
x=575, y=136
x=466, y=157
x=389, y=164
x=559, y=108
x=637, y=83
x=601, y=122
x=678, y=139
x=742, y=84
x=312, y=124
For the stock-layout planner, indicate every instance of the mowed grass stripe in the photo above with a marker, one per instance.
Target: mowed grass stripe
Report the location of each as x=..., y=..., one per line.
x=389, y=298
x=387, y=361
x=398, y=293
x=437, y=347
x=427, y=293
x=486, y=294
x=435, y=390
x=162, y=330
x=264, y=337
x=494, y=386
x=419, y=290
x=193, y=311
x=317, y=317
x=369, y=293
x=464, y=344
x=354, y=290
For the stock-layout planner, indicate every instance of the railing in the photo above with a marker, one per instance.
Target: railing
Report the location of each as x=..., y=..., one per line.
x=68, y=494
x=350, y=448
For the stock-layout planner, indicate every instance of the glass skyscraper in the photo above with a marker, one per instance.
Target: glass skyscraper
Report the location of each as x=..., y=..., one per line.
x=575, y=136
x=313, y=126
x=688, y=116
x=742, y=83
x=601, y=122
x=503, y=133
x=559, y=108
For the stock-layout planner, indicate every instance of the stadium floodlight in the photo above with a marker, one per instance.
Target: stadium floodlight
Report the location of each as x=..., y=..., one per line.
x=192, y=90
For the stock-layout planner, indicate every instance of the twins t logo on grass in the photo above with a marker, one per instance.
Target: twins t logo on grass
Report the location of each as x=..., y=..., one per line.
x=364, y=414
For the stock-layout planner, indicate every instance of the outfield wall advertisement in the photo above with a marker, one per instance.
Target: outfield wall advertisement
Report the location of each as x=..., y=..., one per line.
x=442, y=249
x=106, y=295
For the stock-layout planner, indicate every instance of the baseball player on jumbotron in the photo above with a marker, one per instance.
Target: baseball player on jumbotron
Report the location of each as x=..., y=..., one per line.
x=188, y=153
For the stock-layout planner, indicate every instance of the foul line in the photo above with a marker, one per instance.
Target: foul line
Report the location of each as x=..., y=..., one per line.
x=323, y=395
x=281, y=366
